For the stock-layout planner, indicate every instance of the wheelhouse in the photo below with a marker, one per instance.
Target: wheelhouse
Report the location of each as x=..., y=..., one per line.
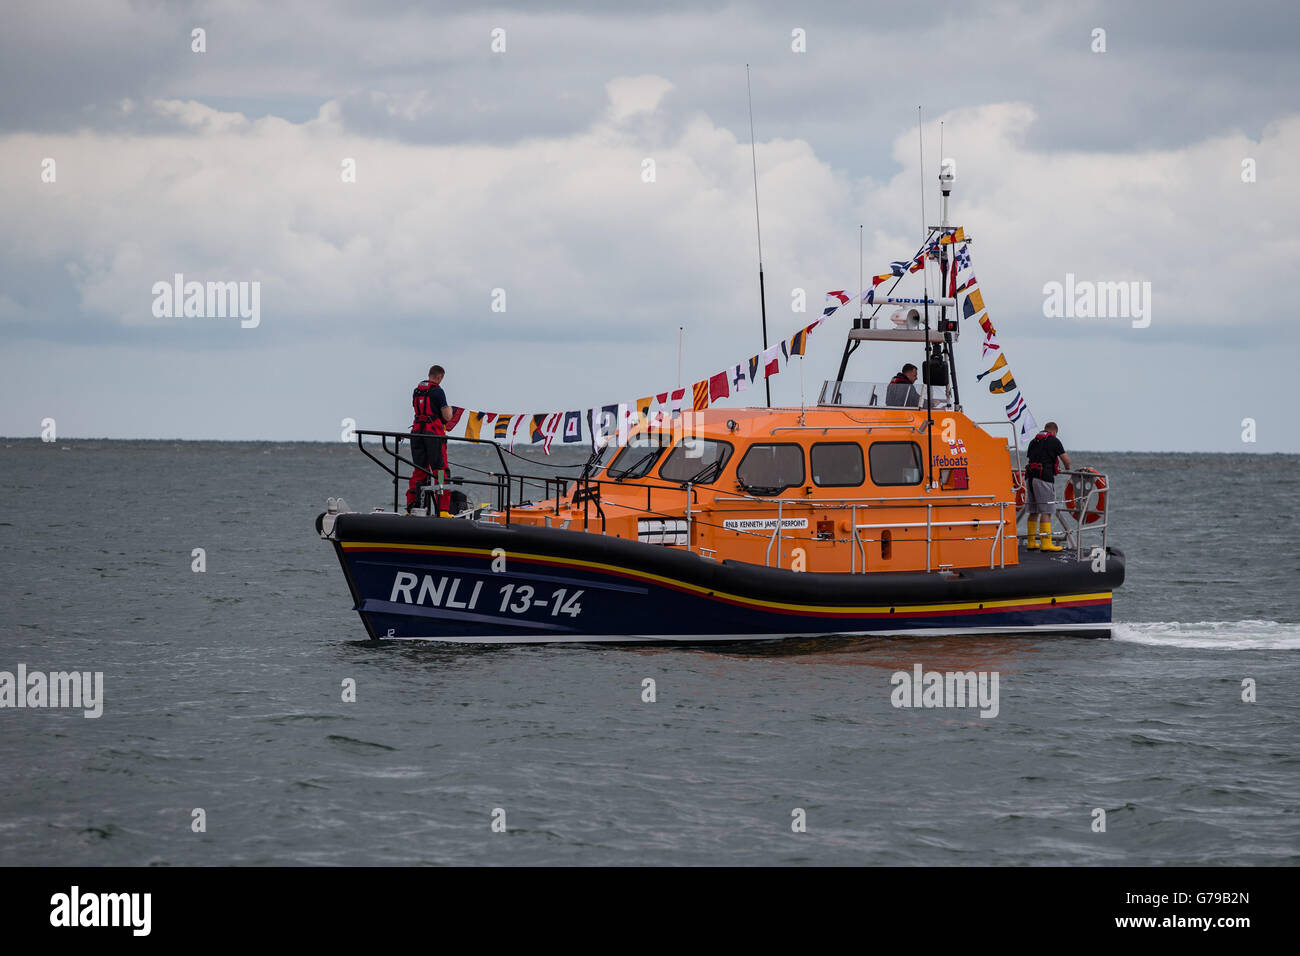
x=819, y=489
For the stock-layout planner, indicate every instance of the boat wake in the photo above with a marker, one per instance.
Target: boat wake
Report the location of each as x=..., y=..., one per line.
x=1217, y=635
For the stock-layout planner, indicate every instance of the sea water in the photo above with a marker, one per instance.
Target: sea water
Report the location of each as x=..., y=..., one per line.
x=225, y=736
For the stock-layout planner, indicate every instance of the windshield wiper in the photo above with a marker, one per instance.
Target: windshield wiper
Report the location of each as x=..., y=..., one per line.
x=638, y=469
x=593, y=463
x=706, y=474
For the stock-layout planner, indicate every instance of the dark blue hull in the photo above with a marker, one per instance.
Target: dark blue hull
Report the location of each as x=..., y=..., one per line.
x=461, y=581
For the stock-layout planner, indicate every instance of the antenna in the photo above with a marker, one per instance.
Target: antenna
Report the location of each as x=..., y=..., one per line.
x=802, y=403
x=925, y=304
x=681, y=335
x=925, y=231
x=860, y=286
x=946, y=178
x=921, y=149
x=762, y=298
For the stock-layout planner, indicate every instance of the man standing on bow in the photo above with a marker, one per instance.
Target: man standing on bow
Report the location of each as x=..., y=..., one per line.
x=432, y=417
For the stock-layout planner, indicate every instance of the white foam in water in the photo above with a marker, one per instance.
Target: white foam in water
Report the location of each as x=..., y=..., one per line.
x=1218, y=635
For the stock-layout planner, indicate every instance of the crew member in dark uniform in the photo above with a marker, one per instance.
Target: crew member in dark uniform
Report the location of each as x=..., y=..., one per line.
x=1040, y=479
x=432, y=416
x=901, y=392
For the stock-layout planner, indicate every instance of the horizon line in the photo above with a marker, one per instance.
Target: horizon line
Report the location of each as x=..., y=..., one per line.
x=576, y=447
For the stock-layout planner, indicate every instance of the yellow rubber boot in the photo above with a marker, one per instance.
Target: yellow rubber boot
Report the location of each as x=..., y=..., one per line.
x=1045, y=531
x=1031, y=535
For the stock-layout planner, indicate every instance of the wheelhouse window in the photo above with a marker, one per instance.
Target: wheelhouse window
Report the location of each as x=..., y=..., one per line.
x=837, y=464
x=633, y=461
x=697, y=460
x=896, y=463
x=770, y=469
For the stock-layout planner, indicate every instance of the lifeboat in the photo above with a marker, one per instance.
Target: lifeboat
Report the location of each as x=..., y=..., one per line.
x=737, y=525
x=883, y=509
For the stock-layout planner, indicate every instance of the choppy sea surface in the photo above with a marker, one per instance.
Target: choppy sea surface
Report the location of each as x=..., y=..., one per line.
x=222, y=693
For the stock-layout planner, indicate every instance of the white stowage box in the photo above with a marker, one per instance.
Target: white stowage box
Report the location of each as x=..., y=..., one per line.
x=662, y=531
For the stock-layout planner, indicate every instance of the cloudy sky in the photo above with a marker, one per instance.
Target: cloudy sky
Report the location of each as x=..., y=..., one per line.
x=522, y=170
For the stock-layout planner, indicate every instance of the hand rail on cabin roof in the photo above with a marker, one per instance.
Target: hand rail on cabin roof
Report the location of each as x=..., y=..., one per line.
x=976, y=500
x=909, y=524
x=848, y=428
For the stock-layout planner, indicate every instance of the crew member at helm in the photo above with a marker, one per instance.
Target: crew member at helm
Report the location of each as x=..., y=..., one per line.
x=901, y=391
x=432, y=417
x=1041, y=468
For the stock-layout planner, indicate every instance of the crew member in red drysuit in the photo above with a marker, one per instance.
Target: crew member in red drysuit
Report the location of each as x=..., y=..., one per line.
x=432, y=417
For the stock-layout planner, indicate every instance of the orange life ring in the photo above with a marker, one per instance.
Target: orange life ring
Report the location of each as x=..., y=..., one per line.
x=1018, y=486
x=1087, y=480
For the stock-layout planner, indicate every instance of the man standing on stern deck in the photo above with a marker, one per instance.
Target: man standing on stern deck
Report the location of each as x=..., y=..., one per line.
x=1040, y=478
x=432, y=416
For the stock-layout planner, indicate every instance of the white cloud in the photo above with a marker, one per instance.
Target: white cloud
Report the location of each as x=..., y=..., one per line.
x=600, y=267
x=200, y=118
x=630, y=95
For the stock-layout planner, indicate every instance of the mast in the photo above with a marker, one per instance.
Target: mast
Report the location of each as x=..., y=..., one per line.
x=762, y=297
x=946, y=178
x=925, y=304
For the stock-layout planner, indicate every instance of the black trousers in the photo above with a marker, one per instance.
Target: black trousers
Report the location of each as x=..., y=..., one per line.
x=429, y=451
x=429, y=455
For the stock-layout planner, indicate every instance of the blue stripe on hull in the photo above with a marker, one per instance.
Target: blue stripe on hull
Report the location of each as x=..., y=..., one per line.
x=451, y=598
